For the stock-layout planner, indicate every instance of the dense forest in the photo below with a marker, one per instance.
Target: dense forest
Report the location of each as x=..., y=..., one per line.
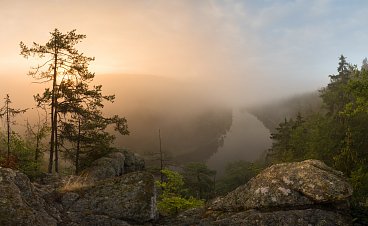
x=336, y=134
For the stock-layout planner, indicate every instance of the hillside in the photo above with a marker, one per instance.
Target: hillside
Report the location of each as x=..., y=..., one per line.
x=272, y=113
x=190, y=120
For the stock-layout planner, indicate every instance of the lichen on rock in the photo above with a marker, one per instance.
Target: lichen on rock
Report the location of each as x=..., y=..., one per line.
x=130, y=197
x=20, y=202
x=291, y=184
x=115, y=164
x=299, y=193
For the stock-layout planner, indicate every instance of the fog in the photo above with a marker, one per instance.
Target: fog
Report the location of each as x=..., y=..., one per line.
x=173, y=63
x=227, y=48
x=247, y=140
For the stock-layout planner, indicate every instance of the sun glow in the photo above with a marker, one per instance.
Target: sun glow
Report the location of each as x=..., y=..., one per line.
x=62, y=78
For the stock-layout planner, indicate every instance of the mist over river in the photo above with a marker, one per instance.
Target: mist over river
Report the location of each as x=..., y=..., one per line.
x=247, y=140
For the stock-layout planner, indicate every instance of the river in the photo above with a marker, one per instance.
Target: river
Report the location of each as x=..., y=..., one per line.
x=246, y=140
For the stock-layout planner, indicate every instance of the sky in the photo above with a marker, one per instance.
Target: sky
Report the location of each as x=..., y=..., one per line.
x=237, y=51
x=170, y=61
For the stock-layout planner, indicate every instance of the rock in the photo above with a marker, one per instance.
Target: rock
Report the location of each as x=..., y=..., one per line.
x=302, y=193
x=103, y=196
x=189, y=217
x=129, y=198
x=114, y=164
x=289, y=185
x=305, y=193
x=307, y=217
x=133, y=162
x=20, y=202
x=49, y=180
x=94, y=220
x=68, y=199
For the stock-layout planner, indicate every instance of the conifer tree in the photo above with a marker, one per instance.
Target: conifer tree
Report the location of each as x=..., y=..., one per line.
x=8, y=112
x=334, y=95
x=60, y=60
x=82, y=128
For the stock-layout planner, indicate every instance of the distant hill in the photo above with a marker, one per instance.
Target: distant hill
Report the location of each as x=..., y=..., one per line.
x=272, y=113
x=192, y=123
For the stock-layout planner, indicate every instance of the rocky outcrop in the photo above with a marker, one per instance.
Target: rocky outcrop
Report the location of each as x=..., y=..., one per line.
x=302, y=193
x=132, y=162
x=114, y=164
x=305, y=193
x=303, y=217
x=108, y=193
x=111, y=192
x=21, y=203
x=129, y=198
x=289, y=185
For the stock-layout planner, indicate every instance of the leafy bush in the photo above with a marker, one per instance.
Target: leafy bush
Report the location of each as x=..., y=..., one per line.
x=169, y=205
x=171, y=200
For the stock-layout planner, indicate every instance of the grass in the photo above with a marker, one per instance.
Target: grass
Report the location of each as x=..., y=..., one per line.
x=76, y=183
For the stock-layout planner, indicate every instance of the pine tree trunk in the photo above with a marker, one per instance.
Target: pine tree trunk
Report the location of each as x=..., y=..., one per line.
x=161, y=157
x=8, y=126
x=78, y=148
x=56, y=145
x=52, y=138
x=37, y=151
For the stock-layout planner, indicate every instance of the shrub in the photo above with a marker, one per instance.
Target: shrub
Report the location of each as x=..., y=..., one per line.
x=171, y=200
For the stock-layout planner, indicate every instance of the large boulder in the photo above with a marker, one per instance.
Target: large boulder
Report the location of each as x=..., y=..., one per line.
x=289, y=185
x=114, y=201
x=301, y=193
x=253, y=217
x=132, y=162
x=114, y=164
x=21, y=203
x=303, y=217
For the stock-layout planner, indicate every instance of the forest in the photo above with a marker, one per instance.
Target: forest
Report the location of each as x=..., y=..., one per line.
x=336, y=134
x=72, y=129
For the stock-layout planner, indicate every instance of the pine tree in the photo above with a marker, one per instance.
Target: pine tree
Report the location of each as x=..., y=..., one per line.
x=82, y=124
x=199, y=179
x=334, y=95
x=60, y=60
x=8, y=112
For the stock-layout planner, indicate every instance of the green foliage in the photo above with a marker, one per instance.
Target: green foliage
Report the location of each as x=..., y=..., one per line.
x=339, y=137
x=199, y=180
x=169, y=205
x=82, y=125
x=237, y=173
x=22, y=157
x=359, y=180
x=174, y=182
x=171, y=200
x=334, y=95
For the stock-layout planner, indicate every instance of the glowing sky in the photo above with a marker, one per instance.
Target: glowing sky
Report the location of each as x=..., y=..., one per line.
x=238, y=49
